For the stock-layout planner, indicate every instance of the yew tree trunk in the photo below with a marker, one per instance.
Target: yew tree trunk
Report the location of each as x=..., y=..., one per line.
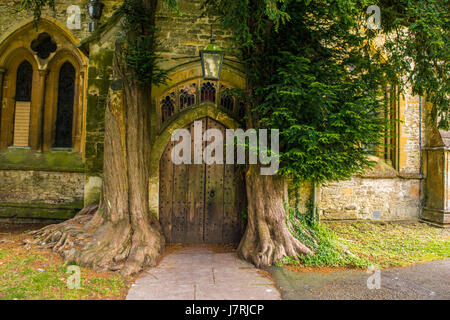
x=121, y=234
x=267, y=238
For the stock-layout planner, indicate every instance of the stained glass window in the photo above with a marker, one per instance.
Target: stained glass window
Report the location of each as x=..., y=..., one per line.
x=227, y=100
x=66, y=95
x=43, y=45
x=208, y=92
x=167, y=108
x=24, y=81
x=187, y=97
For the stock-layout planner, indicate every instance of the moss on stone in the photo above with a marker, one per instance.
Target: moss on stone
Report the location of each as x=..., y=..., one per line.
x=99, y=81
x=92, y=190
x=25, y=159
x=33, y=211
x=37, y=213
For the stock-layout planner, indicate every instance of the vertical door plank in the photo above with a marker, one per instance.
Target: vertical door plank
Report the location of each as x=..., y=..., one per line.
x=166, y=192
x=179, y=215
x=196, y=195
x=214, y=194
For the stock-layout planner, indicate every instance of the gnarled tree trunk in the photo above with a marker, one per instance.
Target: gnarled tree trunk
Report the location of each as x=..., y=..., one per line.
x=267, y=238
x=121, y=235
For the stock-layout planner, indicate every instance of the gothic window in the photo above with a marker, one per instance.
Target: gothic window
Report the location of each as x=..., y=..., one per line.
x=66, y=95
x=388, y=148
x=227, y=100
x=187, y=97
x=22, y=108
x=42, y=87
x=391, y=135
x=167, y=108
x=43, y=45
x=208, y=92
x=24, y=82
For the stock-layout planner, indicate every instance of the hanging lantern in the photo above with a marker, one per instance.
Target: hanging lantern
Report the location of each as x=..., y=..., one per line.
x=212, y=60
x=95, y=8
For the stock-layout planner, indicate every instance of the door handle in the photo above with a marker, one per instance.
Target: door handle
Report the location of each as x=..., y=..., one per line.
x=212, y=193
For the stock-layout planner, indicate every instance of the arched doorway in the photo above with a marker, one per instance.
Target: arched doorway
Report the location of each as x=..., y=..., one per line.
x=201, y=203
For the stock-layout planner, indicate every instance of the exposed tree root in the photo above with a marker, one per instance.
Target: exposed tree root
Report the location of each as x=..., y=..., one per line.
x=89, y=241
x=267, y=238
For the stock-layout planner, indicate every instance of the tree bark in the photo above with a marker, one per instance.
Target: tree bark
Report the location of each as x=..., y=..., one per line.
x=267, y=238
x=122, y=234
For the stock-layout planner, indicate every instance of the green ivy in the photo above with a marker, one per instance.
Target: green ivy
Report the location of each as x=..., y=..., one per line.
x=36, y=6
x=322, y=240
x=140, y=44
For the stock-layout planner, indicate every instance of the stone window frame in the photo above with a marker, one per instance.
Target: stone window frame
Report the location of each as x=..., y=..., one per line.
x=390, y=147
x=8, y=89
x=51, y=99
x=390, y=150
x=44, y=95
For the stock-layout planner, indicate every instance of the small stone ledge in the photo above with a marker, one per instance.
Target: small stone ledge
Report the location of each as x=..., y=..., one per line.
x=78, y=205
x=440, y=218
x=406, y=176
x=34, y=212
x=382, y=170
x=52, y=161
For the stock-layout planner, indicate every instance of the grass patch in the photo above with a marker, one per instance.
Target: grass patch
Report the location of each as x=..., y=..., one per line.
x=393, y=244
x=32, y=274
x=362, y=244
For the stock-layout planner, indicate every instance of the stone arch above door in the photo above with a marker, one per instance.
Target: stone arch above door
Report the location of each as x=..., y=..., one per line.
x=195, y=92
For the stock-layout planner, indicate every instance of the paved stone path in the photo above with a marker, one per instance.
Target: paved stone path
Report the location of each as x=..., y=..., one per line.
x=199, y=273
x=427, y=281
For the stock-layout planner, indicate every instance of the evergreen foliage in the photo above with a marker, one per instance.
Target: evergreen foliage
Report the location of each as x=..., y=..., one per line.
x=317, y=73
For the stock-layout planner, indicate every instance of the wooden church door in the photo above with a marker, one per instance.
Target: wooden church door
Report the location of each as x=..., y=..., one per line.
x=201, y=203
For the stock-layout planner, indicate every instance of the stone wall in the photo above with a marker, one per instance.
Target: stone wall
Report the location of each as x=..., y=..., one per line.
x=186, y=35
x=412, y=135
x=40, y=187
x=369, y=198
x=8, y=16
x=26, y=195
x=385, y=192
